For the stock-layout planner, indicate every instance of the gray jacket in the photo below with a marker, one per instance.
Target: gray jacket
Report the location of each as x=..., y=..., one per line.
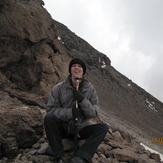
x=61, y=101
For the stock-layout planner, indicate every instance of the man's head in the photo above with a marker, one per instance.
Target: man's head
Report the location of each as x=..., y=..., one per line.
x=77, y=68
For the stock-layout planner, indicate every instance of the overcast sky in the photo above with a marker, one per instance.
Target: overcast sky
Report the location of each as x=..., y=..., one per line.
x=129, y=32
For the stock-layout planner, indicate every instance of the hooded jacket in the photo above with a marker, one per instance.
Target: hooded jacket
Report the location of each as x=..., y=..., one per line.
x=61, y=102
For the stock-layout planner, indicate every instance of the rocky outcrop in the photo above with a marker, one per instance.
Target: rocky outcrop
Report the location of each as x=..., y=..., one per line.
x=34, y=54
x=118, y=147
x=21, y=125
x=25, y=19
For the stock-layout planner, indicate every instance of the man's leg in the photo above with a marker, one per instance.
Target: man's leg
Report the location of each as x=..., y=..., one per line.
x=54, y=132
x=94, y=135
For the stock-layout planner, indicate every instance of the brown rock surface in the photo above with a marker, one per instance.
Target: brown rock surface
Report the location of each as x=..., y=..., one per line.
x=21, y=126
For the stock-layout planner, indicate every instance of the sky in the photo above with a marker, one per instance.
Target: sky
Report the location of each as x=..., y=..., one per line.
x=129, y=32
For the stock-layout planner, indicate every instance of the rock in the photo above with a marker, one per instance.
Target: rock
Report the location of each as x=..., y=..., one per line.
x=94, y=160
x=146, y=159
x=28, y=26
x=36, y=145
x=104, y=148
x=155, y=157
x=1, y=155
x=43, y=148
x=21, y=126
x=37, y=153
x=125, y=155
x=42, y=159
x=117, y=136
x=10, y=147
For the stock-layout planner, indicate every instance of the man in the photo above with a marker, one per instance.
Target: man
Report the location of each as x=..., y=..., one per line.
x=69, y=110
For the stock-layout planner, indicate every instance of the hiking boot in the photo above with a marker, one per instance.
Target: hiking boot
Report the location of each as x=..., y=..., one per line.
x=78, y=160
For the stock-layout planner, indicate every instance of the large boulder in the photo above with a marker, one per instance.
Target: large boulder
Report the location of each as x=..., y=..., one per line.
x=20, y=125
x=25, y=19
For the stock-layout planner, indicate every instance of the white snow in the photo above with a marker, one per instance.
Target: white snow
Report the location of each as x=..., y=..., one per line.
x=151, y=150
x=59, y=38
x=103, y=66
x=102, y=62
x=151, y=105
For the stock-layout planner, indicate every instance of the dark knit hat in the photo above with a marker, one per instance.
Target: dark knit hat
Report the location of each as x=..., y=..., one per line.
x=77, y=61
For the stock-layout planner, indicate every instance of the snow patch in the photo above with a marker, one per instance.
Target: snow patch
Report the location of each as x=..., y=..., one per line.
x=102, y=62
x=59, y=38
x=151, y=150
x=151, y=105
x=103, y=66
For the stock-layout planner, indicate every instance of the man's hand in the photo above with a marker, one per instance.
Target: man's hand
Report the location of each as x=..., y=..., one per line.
x=76, y=112
x=78, y=96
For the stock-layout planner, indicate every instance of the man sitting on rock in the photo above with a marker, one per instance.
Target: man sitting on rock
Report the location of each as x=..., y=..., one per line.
x=71, y=105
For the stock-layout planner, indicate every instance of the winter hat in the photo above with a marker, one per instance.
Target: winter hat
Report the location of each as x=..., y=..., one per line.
x=77, y=61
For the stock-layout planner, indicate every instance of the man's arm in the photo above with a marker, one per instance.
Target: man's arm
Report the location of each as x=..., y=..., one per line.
x=90, y=107
x=54, y=105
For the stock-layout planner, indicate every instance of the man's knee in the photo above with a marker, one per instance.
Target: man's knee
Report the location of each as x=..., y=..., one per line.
x=104, y=127
x=49, y=117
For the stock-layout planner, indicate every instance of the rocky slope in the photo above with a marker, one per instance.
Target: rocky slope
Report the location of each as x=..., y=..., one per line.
x=34, y=54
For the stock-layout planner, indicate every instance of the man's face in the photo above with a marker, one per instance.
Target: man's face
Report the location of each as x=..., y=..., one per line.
x=76, y=71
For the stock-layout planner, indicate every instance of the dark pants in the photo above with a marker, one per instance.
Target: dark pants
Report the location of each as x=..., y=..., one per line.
x=55, y=131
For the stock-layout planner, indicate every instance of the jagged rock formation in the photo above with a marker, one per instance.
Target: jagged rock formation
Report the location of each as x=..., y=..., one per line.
x=117, y=147
x=18, y=126
x=34, y=54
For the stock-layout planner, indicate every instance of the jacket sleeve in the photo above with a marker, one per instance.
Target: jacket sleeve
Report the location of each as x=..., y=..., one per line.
x=54, y=105
x=90, y=106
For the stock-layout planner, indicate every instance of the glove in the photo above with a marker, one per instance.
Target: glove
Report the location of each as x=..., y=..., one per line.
x=76, y=112
x=78, y=96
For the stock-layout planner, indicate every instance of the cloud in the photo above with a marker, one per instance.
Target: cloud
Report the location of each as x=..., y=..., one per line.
x=128, y=32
